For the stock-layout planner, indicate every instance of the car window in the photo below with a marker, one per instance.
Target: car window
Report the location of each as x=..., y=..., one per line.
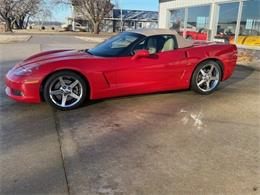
x=155, y=44
x=123, y=41
x=118, y=45
x=139, y=46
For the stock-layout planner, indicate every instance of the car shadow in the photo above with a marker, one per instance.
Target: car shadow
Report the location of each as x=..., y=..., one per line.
x=93, y=102
x=241, y=73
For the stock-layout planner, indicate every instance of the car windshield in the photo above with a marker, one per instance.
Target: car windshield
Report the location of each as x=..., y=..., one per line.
x=118, y=45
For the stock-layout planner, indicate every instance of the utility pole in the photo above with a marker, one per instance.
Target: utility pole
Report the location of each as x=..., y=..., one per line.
x=73, y=16
x=121, y=19
x=121, y=16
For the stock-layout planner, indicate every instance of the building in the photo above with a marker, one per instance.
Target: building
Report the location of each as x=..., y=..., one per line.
x=130, y=19
x=236, y=21
x=133, y=19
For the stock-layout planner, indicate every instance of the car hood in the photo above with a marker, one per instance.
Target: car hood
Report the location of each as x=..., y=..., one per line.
x=54, y=56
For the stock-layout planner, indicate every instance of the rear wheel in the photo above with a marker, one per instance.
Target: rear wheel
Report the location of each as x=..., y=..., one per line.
x=206, y=77
x=65, y=90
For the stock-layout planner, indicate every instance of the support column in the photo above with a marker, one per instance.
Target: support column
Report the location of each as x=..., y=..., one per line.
x=73, y=17
x=164, y=16
x=214, y=16
x=239, y=15
x=185, y=21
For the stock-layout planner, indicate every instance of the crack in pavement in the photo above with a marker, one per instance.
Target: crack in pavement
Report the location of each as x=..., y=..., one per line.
x=57, y=128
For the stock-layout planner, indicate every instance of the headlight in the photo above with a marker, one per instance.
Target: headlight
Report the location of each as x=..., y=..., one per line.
x=25, y=70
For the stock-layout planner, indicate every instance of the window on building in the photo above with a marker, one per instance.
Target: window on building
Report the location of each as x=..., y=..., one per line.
x=177, y=19
x=249, y=33
x=198, y=22
x=227, y=21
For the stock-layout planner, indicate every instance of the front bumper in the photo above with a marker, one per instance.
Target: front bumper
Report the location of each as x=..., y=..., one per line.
x=22, y=89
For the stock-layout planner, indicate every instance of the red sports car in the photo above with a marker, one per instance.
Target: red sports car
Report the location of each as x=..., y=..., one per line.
x=201, y=34
x=134, y=62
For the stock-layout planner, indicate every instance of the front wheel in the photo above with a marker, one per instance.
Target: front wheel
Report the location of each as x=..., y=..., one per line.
x=65, y=90
x=206, y=77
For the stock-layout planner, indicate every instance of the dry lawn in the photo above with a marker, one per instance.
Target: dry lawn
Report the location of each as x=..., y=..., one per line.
x=13, y=39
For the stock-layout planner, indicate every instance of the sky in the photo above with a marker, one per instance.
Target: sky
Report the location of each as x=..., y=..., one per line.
x=60, y=13
x=149, y=5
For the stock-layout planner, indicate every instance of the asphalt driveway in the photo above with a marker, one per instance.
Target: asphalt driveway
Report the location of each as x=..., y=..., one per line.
x=167, y=143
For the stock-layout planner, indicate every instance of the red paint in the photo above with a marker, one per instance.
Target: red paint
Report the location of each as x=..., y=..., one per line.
x=203, y=36
x=197, y=35
x=118, y=76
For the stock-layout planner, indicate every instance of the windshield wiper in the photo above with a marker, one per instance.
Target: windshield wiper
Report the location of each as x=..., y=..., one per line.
x=87, y=51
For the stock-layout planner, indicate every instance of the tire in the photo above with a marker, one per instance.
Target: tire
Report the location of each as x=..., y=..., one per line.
x=206, y=77
x=65, y=90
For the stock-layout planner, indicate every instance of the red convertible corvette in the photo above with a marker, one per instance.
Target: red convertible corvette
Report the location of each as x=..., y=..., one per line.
x=134, y=62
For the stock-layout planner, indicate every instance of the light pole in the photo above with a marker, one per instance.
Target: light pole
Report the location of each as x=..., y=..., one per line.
x=73, y=16
x=121, y=16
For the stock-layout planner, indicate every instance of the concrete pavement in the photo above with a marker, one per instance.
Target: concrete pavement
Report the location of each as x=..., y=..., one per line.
x=167, y=143
x=172, y=143
x=31, y=159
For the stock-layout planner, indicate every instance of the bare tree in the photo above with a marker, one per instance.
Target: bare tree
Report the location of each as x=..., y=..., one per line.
x=27, y=9
x=16, y=11
x=43, y=14
x=7, y=9
x=92, y=10
x=116, y=4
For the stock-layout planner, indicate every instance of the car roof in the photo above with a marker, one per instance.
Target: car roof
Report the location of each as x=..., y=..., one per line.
x=182, y=43
x=152, y=32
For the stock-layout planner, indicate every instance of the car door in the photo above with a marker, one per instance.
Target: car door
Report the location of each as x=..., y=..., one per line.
x=162, y=70
x=201, y=34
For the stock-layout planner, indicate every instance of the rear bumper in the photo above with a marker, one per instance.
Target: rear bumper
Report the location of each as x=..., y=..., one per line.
x=229, y=69
x=230, y=62
x=22, y=90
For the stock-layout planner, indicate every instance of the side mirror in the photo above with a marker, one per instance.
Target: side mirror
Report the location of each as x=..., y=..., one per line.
x=140, y=54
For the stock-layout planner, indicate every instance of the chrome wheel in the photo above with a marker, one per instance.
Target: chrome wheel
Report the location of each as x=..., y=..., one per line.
x=65, y=91
x=208, y=77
